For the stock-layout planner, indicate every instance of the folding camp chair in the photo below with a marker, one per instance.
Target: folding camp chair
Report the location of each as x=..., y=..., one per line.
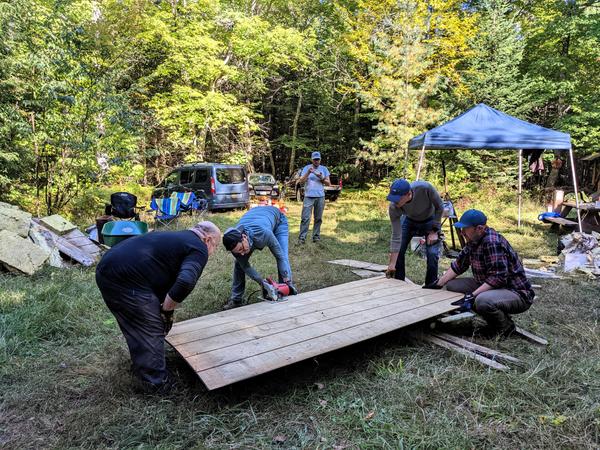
x=190, y=203
x=122, y=205
x=167, y=210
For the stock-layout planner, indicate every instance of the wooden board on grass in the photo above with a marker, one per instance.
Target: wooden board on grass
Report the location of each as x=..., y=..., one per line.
x=360, y=264
x=234, y=345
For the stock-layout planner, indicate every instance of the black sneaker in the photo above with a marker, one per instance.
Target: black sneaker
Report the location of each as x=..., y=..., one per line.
x=316, y=240
x=301, y=242
x=232, y=304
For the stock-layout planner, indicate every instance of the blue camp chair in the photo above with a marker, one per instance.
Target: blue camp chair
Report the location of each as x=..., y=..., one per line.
x=167, y=209
x=190, y=202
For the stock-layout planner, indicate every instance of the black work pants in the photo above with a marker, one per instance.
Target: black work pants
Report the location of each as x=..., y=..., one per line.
x=138, y=314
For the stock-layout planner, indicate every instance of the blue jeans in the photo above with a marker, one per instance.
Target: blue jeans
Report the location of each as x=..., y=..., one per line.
x=410, y=229
x=318, y=203
x=281, y=233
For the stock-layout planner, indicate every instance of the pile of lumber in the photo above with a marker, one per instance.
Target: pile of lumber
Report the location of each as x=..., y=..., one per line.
x=28, y=243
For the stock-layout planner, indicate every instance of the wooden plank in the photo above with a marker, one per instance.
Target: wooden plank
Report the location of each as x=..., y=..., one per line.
x=561, y=221
x=531, y=337
x=457, y=317
x=360, y=264
x=191, y=343
x=351, y=290
x=462, y=351
x=65, y=247
x=364, y=273
x=284, y=313
x=223, y=375
x=480, y=349
x=80, y=240
x=270, y=343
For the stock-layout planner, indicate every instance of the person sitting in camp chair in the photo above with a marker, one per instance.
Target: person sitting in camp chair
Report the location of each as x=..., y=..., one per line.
x=167, y=209
x=498, y=287
x=263, y=226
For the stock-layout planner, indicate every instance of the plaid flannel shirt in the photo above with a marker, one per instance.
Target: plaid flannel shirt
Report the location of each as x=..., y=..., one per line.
x=493, y=261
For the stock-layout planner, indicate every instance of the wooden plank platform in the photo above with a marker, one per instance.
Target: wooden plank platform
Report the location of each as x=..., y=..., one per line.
x=234, y=345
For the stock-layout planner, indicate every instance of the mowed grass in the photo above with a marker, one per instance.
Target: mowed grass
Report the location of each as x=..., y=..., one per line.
x=64, y=379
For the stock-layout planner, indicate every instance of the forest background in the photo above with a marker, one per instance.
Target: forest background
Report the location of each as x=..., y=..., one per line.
x=98, y=94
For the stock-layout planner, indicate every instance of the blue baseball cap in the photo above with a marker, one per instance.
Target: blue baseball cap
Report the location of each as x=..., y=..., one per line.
x=398, y=189
x=315, y=155
x=471, y=218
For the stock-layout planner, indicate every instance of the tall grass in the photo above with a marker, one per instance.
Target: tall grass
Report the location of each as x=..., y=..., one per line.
x=64, y=379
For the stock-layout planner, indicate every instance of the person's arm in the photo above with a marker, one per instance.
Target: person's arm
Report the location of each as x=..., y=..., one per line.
x=305, y=173
x=244, y=262
x=458, y=266
x=280, y=256
x=189, y=272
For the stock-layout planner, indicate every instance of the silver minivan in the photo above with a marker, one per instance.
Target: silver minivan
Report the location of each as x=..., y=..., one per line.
x=224, y=186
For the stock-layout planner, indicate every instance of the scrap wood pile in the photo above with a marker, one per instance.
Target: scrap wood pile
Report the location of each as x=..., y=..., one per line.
x=28, y=243
x=581, y=253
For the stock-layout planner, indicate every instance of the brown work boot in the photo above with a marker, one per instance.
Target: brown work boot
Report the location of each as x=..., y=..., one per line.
x=231, y=303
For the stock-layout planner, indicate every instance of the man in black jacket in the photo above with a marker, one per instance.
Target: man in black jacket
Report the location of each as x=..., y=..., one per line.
x=142, y=280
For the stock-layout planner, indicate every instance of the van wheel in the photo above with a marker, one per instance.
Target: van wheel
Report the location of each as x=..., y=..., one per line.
x=299, y=196
x=333, y=198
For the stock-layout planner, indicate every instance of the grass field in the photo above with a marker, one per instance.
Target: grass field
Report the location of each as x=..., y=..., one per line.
x=64, y=380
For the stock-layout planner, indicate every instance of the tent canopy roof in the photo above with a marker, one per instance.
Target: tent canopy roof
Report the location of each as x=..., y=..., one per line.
x=482, y=127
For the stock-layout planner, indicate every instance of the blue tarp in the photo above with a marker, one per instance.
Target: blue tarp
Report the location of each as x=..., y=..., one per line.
x=482, y=127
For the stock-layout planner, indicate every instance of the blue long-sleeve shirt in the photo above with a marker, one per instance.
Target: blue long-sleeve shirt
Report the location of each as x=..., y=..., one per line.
x=260, y=224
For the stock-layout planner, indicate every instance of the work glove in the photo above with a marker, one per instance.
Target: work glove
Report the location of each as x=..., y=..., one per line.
x=269, y=291
x=167, y=318
x=433, y=285
x=466, y=303
x=390, y=273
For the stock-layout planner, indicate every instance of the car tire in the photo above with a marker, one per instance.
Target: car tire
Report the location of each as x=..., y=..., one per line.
x=299, y=195
x=333, y=198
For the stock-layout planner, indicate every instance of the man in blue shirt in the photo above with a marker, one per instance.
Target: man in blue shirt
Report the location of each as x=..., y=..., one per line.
x=262, y=226
x=315, y=176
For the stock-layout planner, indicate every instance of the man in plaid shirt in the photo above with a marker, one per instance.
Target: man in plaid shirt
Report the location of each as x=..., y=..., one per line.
x=499, y=286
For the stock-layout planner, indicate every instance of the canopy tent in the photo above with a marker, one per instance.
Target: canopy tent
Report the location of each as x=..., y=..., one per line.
x=482, y=127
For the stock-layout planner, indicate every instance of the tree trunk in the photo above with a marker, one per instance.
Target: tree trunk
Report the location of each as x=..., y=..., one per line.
x=295, y=133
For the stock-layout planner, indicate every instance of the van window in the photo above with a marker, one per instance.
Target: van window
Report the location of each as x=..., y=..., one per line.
x=231, y=176
x=187, y=176
x=202, y=175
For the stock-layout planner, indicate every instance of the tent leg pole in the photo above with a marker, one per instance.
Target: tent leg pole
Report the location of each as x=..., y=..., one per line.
x=421, y=158
x=575, y=187
x=520, y=185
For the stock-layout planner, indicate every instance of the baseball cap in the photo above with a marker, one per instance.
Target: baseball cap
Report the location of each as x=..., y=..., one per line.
x=398, y=189
x=315, y=155
x=231, y=238
x=471, y=218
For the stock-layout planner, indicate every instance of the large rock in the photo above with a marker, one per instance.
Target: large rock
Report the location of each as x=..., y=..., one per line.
x=43, y=239
x=13, y=219
x=58, y=224
x=19, y=254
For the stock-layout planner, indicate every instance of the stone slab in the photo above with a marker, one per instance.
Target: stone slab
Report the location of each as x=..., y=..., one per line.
x=14, y=219
x=19, y=254
x=57, y=224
